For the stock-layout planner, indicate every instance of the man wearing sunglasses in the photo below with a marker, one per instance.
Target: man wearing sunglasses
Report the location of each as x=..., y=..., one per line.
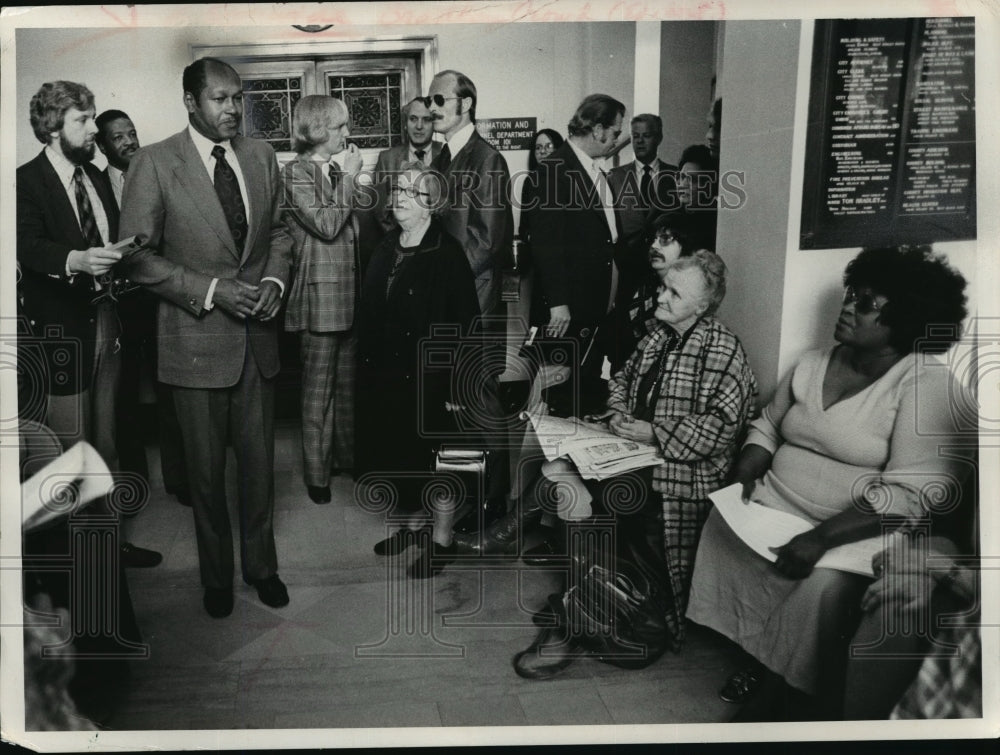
x=477, y=213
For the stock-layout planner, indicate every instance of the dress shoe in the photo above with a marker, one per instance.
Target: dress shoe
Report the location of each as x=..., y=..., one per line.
x=547, y=656
x=503, y=535
x=271, y=591
x=400, y=540
x=138, y=558
x=318, y=494
x=432, y=561
x=218, y=601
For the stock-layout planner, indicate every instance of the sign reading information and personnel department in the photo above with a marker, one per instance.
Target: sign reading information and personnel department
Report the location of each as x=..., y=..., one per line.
x=891, y=143
x=508, y=134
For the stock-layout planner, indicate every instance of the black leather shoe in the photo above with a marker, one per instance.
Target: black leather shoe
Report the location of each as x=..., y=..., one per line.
x=218, y=601
x=319, y=494
x=135, y=557
x=502, y=536
x=271, y=591
x=432, y=561
x=400, y=540
x=536, y=663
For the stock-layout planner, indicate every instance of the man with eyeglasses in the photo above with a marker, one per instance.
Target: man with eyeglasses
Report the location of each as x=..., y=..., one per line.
x=477, y=213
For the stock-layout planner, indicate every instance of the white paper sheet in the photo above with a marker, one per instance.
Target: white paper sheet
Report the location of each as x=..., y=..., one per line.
x=762, y=528
x=64, y=485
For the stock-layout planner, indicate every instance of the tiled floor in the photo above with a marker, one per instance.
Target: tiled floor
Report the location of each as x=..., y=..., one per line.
x=360, y=645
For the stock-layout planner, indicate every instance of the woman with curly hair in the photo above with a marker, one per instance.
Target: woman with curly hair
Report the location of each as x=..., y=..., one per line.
x=840, y=445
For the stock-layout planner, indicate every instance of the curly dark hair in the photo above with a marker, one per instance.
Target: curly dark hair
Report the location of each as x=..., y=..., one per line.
x=926, y=295
x=554, y=136
x=683, y=229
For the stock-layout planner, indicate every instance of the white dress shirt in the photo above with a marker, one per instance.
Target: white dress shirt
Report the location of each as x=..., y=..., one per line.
x=65, y=170
x=460, y=138
x=117, y=178
x=204, y=147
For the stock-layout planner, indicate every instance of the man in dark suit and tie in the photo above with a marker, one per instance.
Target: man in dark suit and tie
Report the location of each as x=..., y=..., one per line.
x=478, y=214
x=643, y=190
x=66, y=220
x=575, y=235
x=419, y=148
x=206, y=201
x=118, y=141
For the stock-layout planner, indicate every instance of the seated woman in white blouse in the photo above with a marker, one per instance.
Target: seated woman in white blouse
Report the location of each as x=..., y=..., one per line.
x=848, y=444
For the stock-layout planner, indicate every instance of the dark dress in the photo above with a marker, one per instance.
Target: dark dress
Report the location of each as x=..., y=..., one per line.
x=401, y=417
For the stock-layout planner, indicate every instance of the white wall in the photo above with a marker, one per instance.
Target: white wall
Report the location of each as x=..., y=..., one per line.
x=687, y=63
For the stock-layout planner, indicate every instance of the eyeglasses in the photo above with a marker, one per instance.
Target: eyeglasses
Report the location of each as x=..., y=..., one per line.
x=665, y=237
x=437, y=99
x=864, y=304
x=410, y=191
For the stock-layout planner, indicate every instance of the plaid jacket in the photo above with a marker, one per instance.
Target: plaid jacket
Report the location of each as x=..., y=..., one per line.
x=705, y=401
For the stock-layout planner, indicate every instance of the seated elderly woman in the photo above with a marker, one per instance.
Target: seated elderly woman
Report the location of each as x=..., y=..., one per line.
x=418, y=285
x=318, y=210
x=674, y=236
x=689, y=390
x=844, y=445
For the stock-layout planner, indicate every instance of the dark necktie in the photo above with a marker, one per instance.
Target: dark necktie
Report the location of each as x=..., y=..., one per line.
x=419, y=154
x=88, y=223
x=334, y=173
x=646, y=186
x=444, y=159
x=228, y=189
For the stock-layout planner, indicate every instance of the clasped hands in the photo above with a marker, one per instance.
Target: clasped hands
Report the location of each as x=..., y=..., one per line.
x=244, y=300
x=797, y=557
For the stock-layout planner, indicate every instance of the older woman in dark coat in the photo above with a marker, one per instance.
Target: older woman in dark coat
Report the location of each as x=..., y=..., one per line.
x=418, y=285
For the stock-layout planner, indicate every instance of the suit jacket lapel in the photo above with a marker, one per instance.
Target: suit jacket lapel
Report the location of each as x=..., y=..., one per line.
x=191, y=173
x=572, y=163
x=63, y=209
x=255, y=180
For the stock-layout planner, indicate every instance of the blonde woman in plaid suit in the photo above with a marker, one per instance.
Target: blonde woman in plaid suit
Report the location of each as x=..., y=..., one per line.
x=318, y=193
x=688, y=389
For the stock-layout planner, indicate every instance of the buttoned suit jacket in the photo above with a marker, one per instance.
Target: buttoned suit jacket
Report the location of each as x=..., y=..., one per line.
x=389, y=162
x=324, y=227
x=59, y=307
x=170, y=201
x=477, y=212
x=571, y=243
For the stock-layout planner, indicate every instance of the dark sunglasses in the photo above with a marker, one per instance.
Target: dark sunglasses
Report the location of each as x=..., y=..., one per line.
x=864, y=304
x=437, y=99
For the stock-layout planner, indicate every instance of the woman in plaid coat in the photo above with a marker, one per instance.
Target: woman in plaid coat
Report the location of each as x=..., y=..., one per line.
x=688, y=389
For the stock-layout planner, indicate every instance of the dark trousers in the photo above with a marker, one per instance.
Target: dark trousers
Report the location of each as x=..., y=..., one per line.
x=244, y=416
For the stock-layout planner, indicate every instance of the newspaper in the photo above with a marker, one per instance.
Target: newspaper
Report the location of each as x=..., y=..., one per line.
x=596, y=452
x=762, y=528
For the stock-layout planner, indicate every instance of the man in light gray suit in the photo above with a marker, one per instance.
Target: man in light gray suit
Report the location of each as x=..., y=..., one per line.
x=206, y=202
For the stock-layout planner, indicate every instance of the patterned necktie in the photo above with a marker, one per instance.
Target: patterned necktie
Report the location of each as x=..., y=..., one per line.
x=88, y=224
x=646, y=186
x=228, y=189
x=444, y=159
x=420, y=154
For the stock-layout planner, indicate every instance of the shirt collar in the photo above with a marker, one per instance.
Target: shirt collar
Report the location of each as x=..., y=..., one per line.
x=460, y=139
x=588, y=161
x=654, y=167
x=427, y=148
x=204, y=145
x=114, y=174
x=63, y=167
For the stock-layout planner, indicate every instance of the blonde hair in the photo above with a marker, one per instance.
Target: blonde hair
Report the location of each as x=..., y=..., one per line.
x=314, y=116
